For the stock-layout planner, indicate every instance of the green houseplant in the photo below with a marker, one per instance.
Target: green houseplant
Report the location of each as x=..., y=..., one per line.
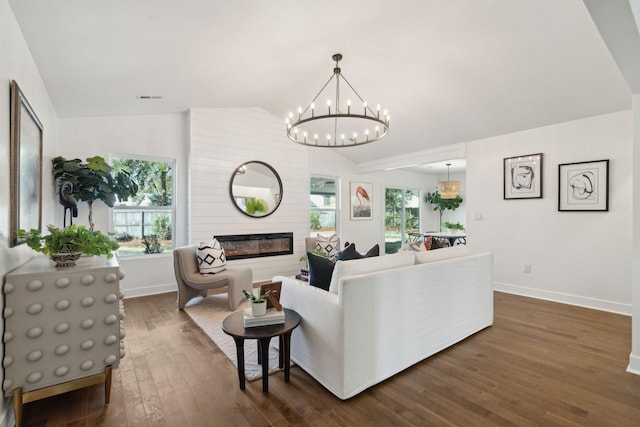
x=440, y=204
x=453, y=227
x=93, y=181
x=258, y=302
x=65, y=245
x=256, y=206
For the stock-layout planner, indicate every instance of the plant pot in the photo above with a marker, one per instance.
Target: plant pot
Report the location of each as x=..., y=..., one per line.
x=258, y=308
x=67, y=256
x=65, y=259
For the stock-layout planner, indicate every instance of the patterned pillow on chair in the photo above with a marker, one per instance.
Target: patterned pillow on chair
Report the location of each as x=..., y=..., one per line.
x=211, y=257
x=328, y=245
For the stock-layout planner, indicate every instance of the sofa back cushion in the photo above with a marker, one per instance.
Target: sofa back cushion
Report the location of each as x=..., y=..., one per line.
x=369, y=265
x=441, y=254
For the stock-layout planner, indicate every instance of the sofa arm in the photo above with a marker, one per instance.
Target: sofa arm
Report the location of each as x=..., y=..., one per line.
x=317, y=345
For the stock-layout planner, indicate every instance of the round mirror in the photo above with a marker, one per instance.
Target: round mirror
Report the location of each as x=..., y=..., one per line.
x=256, y=189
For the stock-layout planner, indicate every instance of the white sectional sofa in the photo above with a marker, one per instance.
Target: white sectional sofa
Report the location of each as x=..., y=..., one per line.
x=384, y=314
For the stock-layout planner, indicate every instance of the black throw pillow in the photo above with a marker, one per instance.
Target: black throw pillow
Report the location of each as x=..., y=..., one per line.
x=436, y=244
x=374, y=251
x=348, y=253
x=320, y=270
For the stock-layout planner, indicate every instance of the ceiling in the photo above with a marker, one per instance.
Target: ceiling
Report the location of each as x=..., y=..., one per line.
x=448, y=71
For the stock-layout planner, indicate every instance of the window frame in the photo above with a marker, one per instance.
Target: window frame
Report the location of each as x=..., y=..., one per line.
x=337, y=195
x=403, y=225
x=172, y=209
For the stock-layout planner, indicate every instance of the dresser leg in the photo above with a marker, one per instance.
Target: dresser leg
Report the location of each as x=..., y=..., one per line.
x=17, y=406
x=107, y=384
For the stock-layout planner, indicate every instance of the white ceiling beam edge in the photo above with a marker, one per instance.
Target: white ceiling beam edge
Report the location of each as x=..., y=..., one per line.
x=447, y=152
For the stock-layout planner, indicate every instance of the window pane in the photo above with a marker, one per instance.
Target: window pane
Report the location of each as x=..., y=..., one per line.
x=144, y=223
x=322, y=199
x=402, y=218
x=393, y=220
x=411, y=215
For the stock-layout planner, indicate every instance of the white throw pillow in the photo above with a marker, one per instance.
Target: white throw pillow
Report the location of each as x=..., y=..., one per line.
x=328, y=245
x=441, y=254
x=369, y=265
x=211, y=257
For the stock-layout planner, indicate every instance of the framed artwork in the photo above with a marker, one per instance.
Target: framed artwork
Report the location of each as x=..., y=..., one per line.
x=273, y=300
x=361, y=200
x=583, y=186
x=26, y=166
x=523, y=177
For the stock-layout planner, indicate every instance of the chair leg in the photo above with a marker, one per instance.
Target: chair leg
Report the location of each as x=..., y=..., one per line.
x=187, y=293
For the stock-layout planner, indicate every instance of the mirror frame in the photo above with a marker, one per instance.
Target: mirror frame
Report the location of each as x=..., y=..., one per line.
x=275, y=173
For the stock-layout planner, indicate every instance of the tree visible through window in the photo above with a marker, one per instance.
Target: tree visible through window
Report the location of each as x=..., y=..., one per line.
x=322, y=199
x=402, y=218
x=144, y=224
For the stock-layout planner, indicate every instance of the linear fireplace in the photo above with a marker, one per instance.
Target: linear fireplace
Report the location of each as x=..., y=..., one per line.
x=243, y=246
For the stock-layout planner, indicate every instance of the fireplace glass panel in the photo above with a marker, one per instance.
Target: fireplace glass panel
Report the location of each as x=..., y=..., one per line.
x=242, y=246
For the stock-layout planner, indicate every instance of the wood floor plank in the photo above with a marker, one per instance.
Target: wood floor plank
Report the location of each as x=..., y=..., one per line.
x=540, y=364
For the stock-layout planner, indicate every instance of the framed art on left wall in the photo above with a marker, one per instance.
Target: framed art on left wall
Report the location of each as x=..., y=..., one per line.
x=26, y=166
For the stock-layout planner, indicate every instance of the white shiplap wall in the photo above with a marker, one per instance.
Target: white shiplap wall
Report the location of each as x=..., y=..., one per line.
x=221, y=139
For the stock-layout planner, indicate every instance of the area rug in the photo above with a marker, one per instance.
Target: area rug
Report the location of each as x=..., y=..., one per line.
x=208, y=313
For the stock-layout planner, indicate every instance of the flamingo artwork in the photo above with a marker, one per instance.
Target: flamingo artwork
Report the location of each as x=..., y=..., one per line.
x=361, y=205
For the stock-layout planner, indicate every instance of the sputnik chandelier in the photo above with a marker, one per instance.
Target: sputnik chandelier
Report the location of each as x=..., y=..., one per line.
x=337, y=123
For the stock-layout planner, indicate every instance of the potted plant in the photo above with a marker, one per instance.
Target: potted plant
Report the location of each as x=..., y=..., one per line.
x=453, y=228
x=439, y=204
x=93, y=180
x=256, y=206
x=258, y=303
x=65, y=245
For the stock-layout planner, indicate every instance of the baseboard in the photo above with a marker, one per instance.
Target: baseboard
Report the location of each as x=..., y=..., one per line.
x=149, y=290
x=634, y=364
x=597, y=304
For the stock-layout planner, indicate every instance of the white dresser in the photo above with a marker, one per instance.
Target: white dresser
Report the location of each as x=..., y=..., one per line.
x=62, y=328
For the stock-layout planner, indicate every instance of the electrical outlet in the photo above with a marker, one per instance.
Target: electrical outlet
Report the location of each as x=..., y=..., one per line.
x=477, y=217
x=527, y=268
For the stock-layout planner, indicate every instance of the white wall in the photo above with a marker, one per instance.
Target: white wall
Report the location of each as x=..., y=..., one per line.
x=165, y=136
x=221, y=140
x=634, y=357
x=17, y=64
x=581, y=258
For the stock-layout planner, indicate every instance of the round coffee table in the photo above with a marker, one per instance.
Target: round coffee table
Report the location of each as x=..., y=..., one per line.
x=233, y=325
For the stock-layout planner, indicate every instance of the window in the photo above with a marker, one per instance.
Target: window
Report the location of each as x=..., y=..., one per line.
x=402, y=218
x=144, y=223
x=324, y=210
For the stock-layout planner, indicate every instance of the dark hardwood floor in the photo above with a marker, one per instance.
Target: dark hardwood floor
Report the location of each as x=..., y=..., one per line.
x=541, y=363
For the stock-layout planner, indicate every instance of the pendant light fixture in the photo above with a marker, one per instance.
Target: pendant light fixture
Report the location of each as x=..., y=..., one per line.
x=449, y=189
x=337, y=122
